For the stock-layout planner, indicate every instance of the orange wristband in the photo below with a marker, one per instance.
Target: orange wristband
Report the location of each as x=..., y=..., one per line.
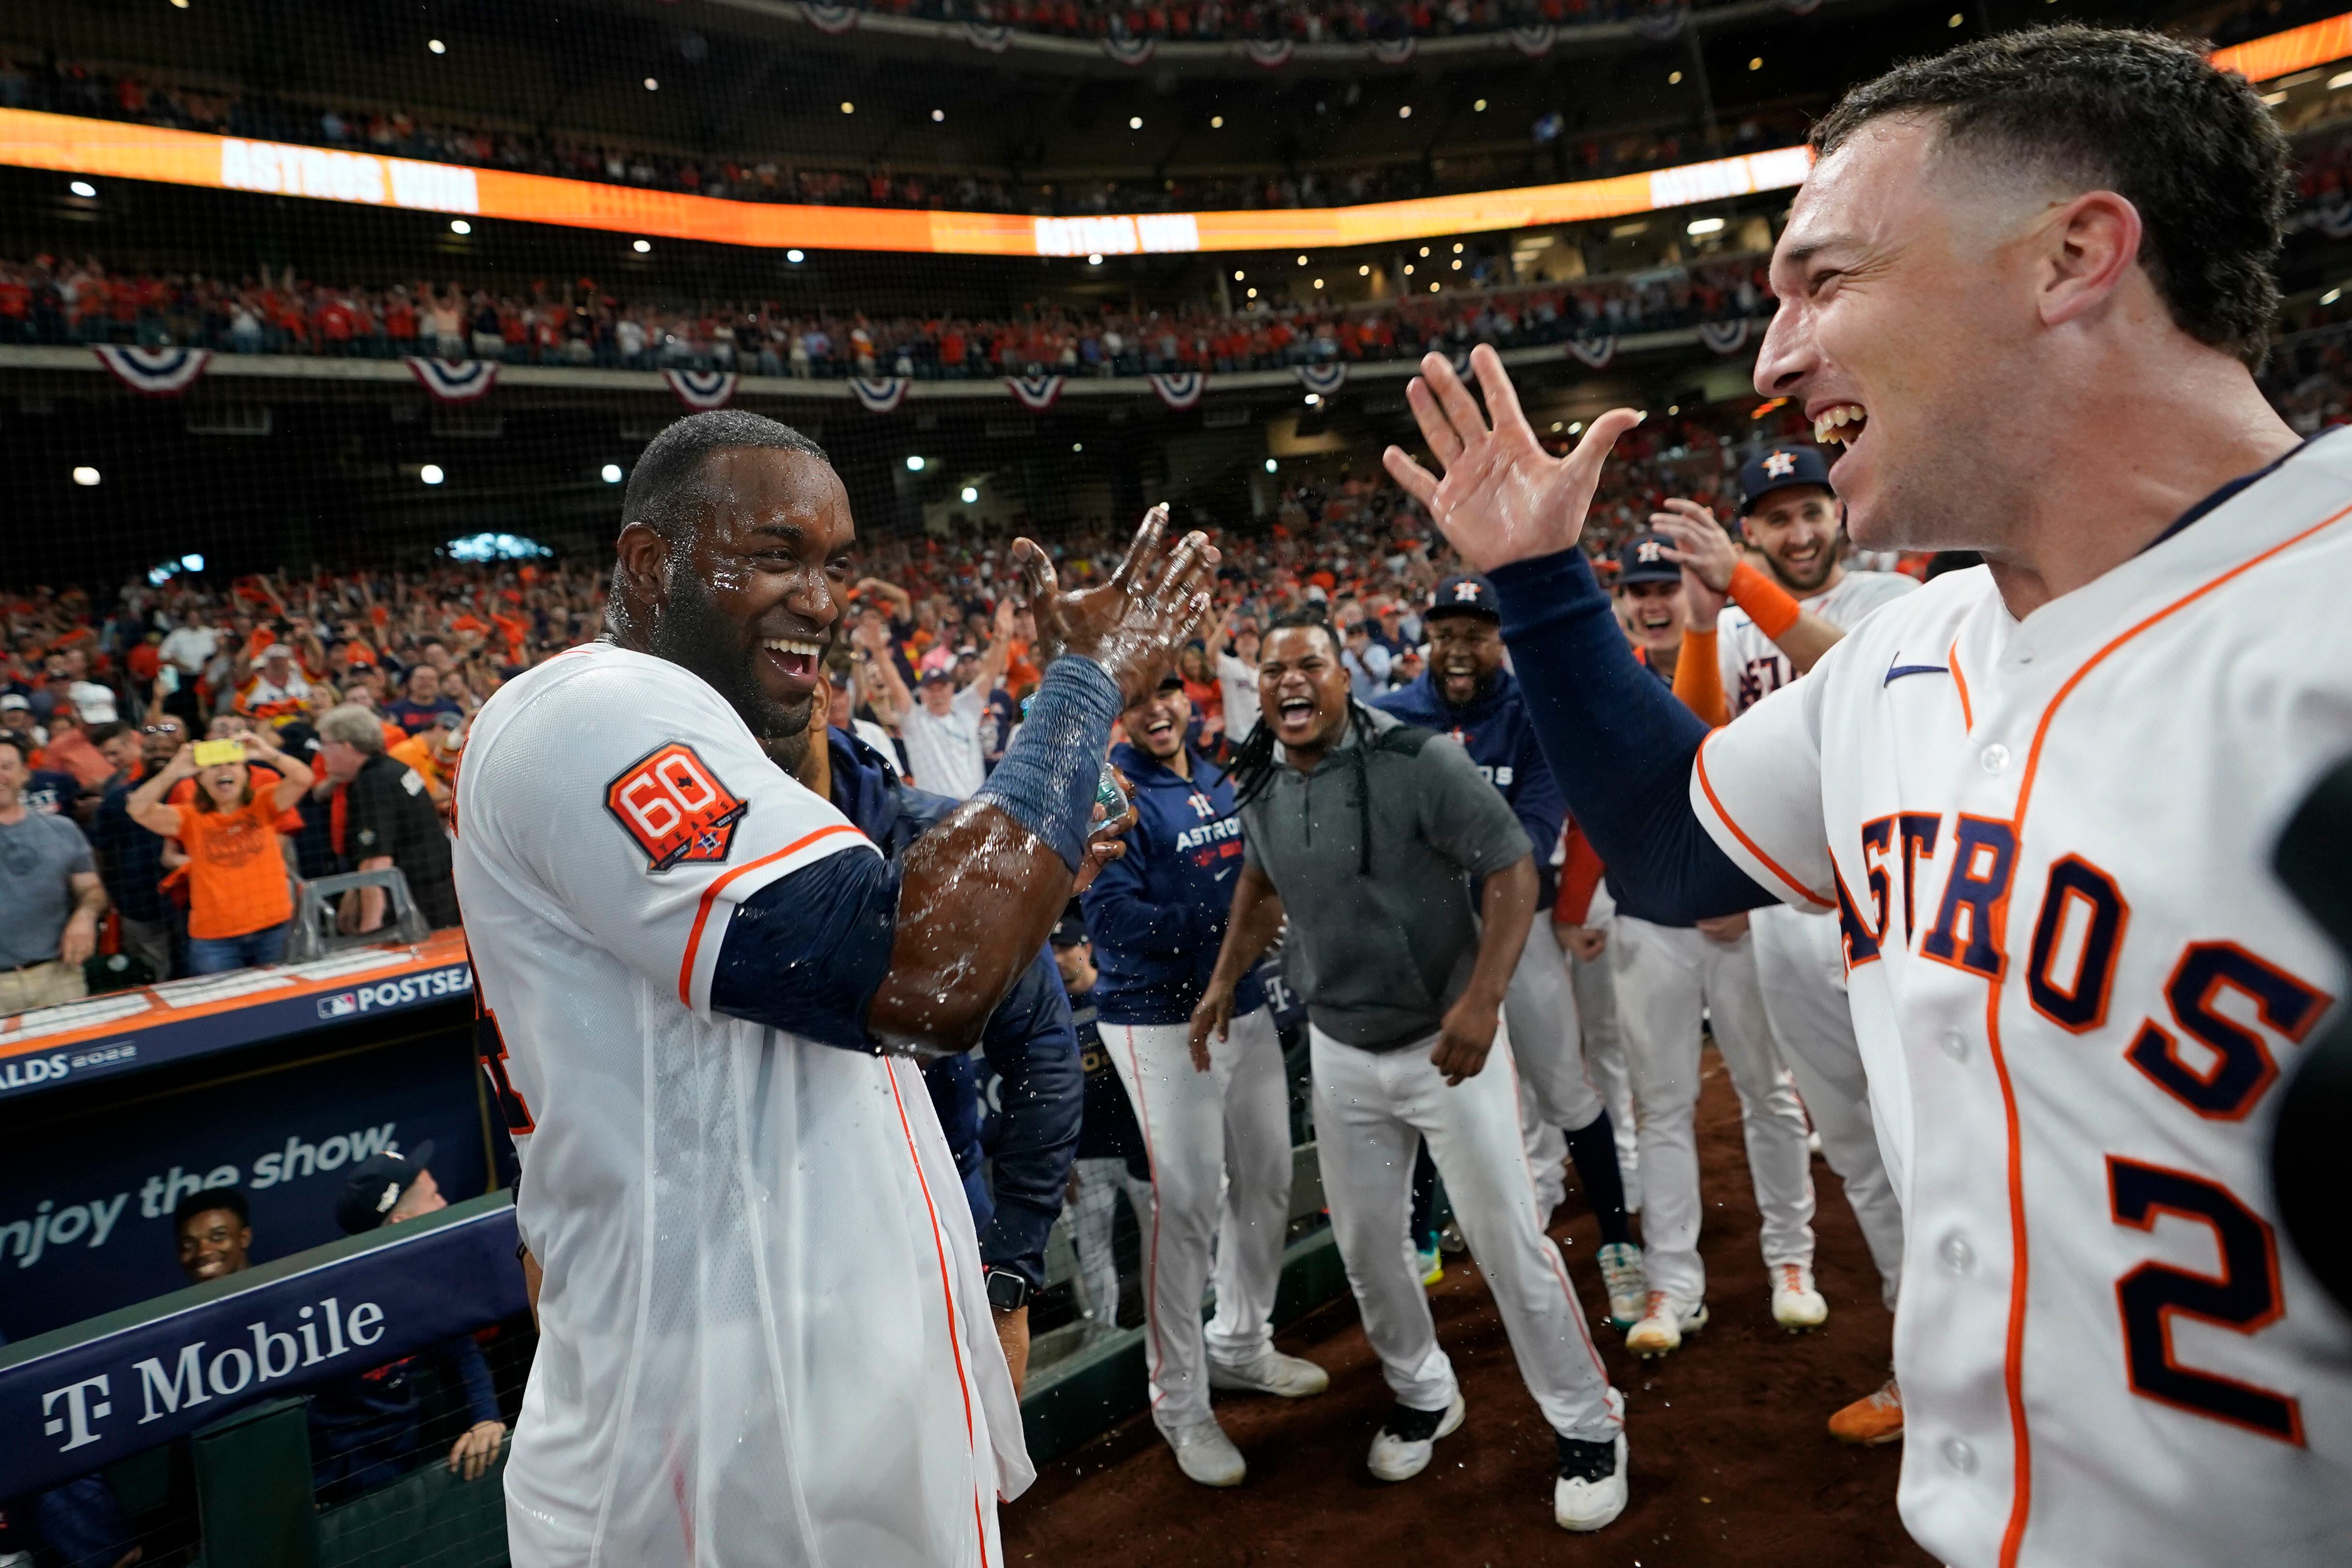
x=1767, y=603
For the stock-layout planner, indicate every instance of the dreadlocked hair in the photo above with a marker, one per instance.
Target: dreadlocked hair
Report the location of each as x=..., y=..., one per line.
x=1254, y=768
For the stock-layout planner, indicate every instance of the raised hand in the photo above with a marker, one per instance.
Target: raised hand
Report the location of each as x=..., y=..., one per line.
x=1132, y=624
x=1504, y=498
x=1701, y=546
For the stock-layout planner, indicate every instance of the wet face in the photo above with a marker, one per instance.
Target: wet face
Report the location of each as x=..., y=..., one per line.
x=1465, y=652
x=749, y=598
x=1156, y=725
x=1907, y=311
x=1653, y=614
x=1302, y=687
x=1797, y=531
x=214, y=1243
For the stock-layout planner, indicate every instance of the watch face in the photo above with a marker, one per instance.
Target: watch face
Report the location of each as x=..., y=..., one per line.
x=1006, y=1291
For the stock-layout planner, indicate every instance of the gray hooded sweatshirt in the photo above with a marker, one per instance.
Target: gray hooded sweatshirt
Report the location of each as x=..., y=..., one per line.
x=1384, y=940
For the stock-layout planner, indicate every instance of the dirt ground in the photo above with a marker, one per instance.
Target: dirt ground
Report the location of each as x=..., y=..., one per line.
x=1730, y=1462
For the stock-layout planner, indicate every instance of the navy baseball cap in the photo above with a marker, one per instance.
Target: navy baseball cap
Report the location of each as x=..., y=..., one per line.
x=1465, y=594
x=935, y=673
x=1781, y=469
x=1070, y=930
x=374, y=1186
x=1642, y=559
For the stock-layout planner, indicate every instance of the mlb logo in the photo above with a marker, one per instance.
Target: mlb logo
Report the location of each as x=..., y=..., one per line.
x=339, y=1006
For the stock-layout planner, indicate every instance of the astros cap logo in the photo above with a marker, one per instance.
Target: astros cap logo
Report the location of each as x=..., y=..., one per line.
x=1779, y=464
x=1648, y=553
x=1465, y=592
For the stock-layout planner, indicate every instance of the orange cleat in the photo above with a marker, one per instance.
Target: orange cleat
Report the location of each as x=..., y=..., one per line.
x=1872, y=1420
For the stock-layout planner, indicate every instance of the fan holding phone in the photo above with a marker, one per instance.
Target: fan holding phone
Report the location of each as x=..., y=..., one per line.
x=240, y=902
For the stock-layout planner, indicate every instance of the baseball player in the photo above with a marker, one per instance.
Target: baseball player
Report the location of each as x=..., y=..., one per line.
x=1219, y=1139
x=2022, y=287
x=1789, y=517
x=1667, y=974
x=765, y=1337
x=1467, y=693
x=1371, y=835
x=1110, y=1157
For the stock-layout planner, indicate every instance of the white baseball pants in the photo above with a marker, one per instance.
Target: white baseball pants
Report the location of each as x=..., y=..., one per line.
x=1371, y=1107
x=1801, y=968
x=1220, y=1148
x=1605, y=1059
x=1091, y=1215
x=1554, y=1092
x=1666, y=977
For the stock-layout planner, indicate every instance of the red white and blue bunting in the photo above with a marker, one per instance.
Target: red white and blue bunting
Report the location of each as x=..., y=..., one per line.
x=1034, y=393
x=1394, y=51
x=702, y=390
x=1323, y=380
x=157, y=373
x=1130, y=51
x=990, y=37
x=1179, y=389
x=1723, y=337
x=455, y=381
x=879, y=394
x=1593, y=353
x=1272, y=53
x=1537, y=42
x=833, y=19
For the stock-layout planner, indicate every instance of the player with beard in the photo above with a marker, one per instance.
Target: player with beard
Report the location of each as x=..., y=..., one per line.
x=1215, y=1124
x=764, y=1335
x=1781, y=621
x=1467, y=693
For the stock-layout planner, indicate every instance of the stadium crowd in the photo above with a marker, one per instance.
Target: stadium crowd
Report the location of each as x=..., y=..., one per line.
x=51, y=300
x=69, y=87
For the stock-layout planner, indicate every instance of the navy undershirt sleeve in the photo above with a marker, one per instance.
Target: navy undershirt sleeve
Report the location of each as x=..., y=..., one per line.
x=1034, y=1049
x=807, y=953
x=1620, y=742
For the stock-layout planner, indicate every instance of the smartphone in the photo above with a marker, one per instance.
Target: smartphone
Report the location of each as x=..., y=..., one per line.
x=213, y=754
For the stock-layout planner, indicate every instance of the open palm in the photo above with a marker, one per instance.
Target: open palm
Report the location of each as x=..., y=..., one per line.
x=1504, y=498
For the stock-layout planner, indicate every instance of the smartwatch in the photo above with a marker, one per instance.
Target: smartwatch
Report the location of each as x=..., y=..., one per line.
x=1007, y=1291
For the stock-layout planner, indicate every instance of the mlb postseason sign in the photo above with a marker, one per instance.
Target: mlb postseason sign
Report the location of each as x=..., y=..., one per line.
x=124, y=1031
x=76, y=1400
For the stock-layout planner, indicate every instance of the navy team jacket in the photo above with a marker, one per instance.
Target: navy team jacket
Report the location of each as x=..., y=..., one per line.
x=1157, y=915
x=1029, y=1043
x=1497, y=733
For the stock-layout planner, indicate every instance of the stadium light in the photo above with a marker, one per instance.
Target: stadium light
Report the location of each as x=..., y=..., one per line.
x=1253, y=293
x=82, y=188
x=1216, y=123
x=1457, y=247
x=1365, y=271
x=848, y=107
x=1313, y=399
x=1458, y=264
x=794, y=256
x=971, y=494
x=1433, y=287
x=459, y=226
x=178, y=4
x=2340, y=80
x=1405, y=111
x=1135, y=122
x=1673, y=79
x=193, y=563
x=1302, y=261
x=1424, y=250
x=1699, y=226
x=612, y=473
x=437, y=46
x=652, y=86
x=1479, y=107
x=938, y=117
x=643, y=247
x=1408, y=269
x=1319, y=282
x=430, y=473
x=1756, y=64
x=1095, y=259
x=914, y=464
x=1955, y=20
x=1077, y=445
x=85, y=476
x=1240, y=277
x=2331, y=296
x=1576, y=428
x=1271, y=465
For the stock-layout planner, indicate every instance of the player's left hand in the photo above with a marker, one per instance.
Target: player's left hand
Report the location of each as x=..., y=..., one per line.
x=1132, y=624
x=477, y=1449
x=1465, y=1038
x=1725, y=930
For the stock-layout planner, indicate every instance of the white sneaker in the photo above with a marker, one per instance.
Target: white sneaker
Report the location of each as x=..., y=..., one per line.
x=1589, y=1490
x=1287, y=1376
x=1664, y=1321
x=1206, y=1454
x=1796, y=1305
x=1402, y=1447
x=1628, y=1286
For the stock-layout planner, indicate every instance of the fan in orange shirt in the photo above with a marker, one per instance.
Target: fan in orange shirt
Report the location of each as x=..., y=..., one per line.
x=240, y=905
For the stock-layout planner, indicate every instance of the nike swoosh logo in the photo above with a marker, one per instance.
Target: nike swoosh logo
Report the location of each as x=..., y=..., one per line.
x=1223, y=874
x=1896, y=671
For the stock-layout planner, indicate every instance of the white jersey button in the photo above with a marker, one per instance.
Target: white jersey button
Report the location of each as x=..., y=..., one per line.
x=1958, y=1255
x=1960, y=1456
x=1994, y=759
x=1954, y=1046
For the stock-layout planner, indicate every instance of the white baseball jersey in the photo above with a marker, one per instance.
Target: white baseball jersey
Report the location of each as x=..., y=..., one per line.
x=1753, y=664
x=2077, y=986
x=764, y=1336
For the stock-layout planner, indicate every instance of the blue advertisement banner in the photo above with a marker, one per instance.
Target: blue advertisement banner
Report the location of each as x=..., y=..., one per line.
x=86, y=1201
x=68, y=1409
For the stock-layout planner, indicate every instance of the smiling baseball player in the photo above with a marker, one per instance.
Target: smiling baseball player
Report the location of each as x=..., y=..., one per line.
x=2023, y=285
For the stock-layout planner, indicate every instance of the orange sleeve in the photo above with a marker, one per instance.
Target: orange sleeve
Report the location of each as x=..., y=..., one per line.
x=1698, y=678
x=1768, y=603
x=1580, y=871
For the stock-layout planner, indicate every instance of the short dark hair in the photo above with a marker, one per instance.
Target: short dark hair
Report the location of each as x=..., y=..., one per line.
x=2194, y=148
x=665, y=471
x=19, y=745
x=211, y=1198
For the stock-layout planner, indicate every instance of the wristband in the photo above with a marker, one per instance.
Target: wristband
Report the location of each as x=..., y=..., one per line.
x=1767, y=603
x=1047, y=781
